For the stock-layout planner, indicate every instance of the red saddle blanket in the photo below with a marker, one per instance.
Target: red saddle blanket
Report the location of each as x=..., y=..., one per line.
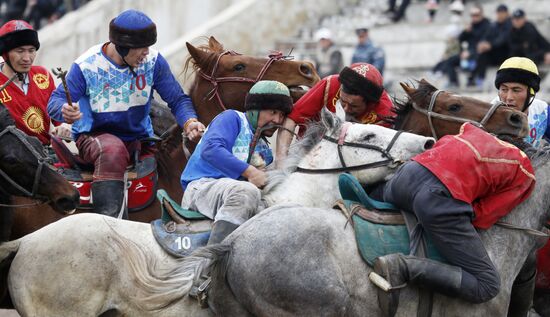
x=141, y=183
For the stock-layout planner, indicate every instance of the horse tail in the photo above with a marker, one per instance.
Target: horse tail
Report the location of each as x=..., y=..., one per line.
x=162, y=284
x=8, y=251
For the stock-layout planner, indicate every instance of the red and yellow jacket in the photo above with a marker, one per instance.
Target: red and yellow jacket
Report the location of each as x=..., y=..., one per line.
x=477, y=168
x=327, y=92
x=29, y=111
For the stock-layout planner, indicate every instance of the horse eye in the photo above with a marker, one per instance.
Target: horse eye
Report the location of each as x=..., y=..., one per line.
x=455, y=107
x=239, y=67
x=369, y=136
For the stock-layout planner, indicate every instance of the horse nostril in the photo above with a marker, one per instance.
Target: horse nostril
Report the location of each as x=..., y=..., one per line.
x=429, y=144
x=306, y=70
x=516, y=119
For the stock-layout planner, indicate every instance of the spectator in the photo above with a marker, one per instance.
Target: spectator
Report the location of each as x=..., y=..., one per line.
x=14, y=10
x=328, y=58
x=493, y=48
x=472, y=35
x=432, y=6
x=526, y=41
x=39, y=10
x=366, y=52
x=398, y=14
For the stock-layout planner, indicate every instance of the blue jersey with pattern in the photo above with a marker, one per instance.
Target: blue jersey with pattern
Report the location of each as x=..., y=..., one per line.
x=112, y=99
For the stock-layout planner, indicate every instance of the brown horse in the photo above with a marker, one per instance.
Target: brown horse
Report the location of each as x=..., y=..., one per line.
x=233, y=75
x=432, y=112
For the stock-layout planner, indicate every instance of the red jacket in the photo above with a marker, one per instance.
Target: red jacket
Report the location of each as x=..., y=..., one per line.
x=327, y=92
x=477, y=168
x=29, y=111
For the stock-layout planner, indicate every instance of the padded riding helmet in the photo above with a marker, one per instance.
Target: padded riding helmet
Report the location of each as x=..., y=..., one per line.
x=519, y=70
x=362, y=79
x=132, y=29
x=16, y=33
x=266, y=95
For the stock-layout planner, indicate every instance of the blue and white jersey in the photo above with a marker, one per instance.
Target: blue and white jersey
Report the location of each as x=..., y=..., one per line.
x=113, y=99
x=537, y=117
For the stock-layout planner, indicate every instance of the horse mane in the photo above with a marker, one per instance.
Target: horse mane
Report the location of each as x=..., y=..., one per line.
x=5, y=117
x=403, y=107
x=213, y=48
x=299, y=149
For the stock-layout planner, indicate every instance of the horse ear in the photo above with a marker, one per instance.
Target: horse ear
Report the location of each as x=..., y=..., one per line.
x=408, y=89
x=214, y=44
x=327, y=119
x=197, y=54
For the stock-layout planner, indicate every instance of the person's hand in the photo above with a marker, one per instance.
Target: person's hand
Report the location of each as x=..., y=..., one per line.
x=194, y=131
x=547, y=58
x=464, y=55
x=255, y=176
x=63, y=131
x=71, y=113
x=483, y=47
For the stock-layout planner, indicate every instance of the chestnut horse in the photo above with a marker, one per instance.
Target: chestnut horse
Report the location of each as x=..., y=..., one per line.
x=223, y=78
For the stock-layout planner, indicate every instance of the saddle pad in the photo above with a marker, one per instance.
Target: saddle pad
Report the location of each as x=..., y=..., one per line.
x=163, y=197
x=351, y=189
x=178, y=240
x=374, y=240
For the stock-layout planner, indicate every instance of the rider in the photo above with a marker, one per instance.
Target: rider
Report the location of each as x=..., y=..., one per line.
x=111, y=85
x=222, y=178
x=27, y=96
x=464, y=182
x=358, y=89
x=518, y=81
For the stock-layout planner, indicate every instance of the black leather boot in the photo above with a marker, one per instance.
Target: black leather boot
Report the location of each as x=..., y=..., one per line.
x=220, y=230
x=399, y=269
x=521, y=297
x=108, y=197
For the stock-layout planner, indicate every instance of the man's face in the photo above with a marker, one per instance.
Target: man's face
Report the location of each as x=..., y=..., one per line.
x=518, y=23
x=22, y=57
x=513, y=94
x=354, y=106
x=136, y=56
x=362, y=36
x=266, y=117
x=502, y=16
x=476, y=15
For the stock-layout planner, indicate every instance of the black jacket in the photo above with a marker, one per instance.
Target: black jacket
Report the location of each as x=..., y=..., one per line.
x=528, y=42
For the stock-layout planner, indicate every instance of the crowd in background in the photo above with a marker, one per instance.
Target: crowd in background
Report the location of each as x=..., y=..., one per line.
x=37, y=12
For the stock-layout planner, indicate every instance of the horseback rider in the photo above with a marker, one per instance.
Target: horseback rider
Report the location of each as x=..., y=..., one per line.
x=358, y=89
x=518, y=81
x=464, y=182
x=112, y=85
x=223, y=176
x=26, y=97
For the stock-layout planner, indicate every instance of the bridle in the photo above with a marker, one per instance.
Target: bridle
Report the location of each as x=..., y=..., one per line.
x=430, y=114
x=42, y=158
x=216, y=81
x=389, y=161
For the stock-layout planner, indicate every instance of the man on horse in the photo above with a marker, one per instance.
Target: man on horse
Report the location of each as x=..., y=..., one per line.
x=464, y=182
x=358, y=89
x=28, y=86
x=518, y=81
x=223, y=176
x=112, y=86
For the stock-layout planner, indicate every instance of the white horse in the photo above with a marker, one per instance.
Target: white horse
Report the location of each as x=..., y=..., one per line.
x=76, y=267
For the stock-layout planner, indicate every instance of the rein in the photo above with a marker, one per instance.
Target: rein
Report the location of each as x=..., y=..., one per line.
x=42, y=160
x=389, y=161
x=215, y=81
x=430, y=114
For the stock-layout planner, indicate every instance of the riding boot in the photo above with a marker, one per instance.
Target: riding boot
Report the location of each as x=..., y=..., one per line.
x=108, y=197
x=521, y=297
x=220, y=230
x=399, y=269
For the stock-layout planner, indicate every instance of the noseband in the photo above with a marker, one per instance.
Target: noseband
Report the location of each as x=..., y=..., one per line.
x=41, y=157
x=215, y=81
x=430, y=114
x=389, y=161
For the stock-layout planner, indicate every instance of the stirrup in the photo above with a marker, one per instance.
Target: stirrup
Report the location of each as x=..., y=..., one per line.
x=200, y=292
x=382, y=283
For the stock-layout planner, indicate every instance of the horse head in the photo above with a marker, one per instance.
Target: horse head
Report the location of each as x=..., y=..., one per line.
x=24, y=170
x=224, y=77
x=429, y=111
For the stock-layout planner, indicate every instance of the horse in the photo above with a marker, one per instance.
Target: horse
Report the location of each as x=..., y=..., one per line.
x=307, y=263
x=232, y=74
x=88, y=250
x=24, y=172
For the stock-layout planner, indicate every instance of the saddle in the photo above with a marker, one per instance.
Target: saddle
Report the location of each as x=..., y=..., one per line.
x=175, y=232
x=142, y=177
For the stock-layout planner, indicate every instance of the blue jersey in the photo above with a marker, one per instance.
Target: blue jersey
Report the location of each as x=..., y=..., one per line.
x=114, y=100
x=224, y=149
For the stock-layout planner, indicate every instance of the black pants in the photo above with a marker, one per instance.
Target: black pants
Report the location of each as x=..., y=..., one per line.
x=448, y=222
x=493, y=57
